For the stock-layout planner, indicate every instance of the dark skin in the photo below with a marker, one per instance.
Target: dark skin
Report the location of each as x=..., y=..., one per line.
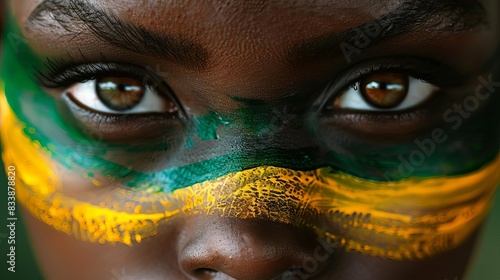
x=247, y=45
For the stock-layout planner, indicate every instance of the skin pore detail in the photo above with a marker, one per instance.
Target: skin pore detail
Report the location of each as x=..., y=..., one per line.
x=292, y=158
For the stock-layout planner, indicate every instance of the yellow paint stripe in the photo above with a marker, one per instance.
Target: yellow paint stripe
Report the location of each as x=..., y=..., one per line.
x=413, y=218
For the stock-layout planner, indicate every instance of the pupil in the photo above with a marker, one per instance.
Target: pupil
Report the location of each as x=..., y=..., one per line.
x=122, y=87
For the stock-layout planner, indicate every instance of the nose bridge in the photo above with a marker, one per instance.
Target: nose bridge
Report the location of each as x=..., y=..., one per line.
x=267, y=193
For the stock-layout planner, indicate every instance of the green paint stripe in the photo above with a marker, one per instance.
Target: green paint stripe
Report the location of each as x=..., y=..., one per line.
x=37, y=109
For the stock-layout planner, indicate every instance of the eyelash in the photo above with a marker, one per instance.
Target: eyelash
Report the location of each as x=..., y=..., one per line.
x=426, y=70
x=62, y=74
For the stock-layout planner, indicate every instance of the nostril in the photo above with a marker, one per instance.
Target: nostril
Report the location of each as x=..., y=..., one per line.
x=205, y=271
x=230, y=248
x=210, y=274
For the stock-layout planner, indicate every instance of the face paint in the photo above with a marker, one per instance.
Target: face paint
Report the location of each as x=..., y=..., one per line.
x=428, y=212
x=413, y=218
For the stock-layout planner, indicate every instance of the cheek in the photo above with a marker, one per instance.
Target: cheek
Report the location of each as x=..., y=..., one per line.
x=63, y=257
x=71, y=200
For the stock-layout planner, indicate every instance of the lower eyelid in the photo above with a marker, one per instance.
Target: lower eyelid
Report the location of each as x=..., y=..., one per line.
x=406, y=123
x=123, y=128
x=379, y=125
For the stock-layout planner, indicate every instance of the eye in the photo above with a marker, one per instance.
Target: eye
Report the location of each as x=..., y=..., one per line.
x=113, y=103
x=120, y=95
x=384, y=91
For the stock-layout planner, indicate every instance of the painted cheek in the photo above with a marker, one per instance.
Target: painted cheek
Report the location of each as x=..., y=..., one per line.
x=413, y=218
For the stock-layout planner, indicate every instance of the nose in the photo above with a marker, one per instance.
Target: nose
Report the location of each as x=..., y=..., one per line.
x=231, y=248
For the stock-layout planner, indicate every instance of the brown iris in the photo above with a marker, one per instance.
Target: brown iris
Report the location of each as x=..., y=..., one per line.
x=120, y=94
x=385, y=90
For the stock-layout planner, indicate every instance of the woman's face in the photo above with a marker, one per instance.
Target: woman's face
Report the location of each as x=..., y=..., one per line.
x=252, y=139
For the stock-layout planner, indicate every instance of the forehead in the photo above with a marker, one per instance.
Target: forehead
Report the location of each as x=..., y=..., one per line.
x=208, y=13
x=239, y=35
x=225, y=21
x=231, y=19
x=196, y=17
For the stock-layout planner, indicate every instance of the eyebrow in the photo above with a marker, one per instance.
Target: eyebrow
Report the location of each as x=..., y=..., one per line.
x=454, y=16
x=109, y=28
x=457, y=15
